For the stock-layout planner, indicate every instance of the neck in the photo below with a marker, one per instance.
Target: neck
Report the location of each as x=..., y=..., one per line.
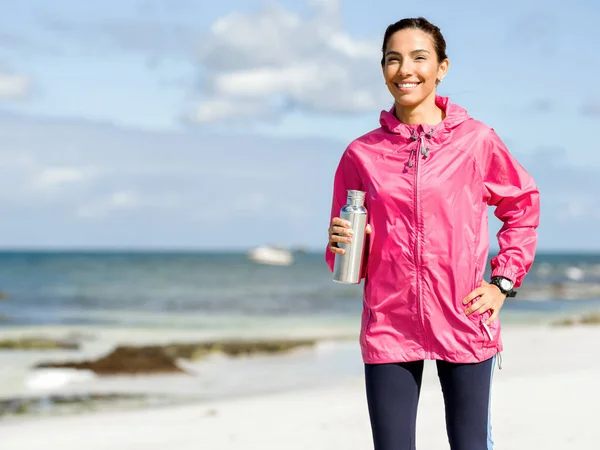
x=425, y=113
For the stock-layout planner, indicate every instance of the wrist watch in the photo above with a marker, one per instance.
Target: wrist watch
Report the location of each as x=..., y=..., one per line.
x=505, y=285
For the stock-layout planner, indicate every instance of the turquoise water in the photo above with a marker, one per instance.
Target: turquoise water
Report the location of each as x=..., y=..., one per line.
x=227, y=291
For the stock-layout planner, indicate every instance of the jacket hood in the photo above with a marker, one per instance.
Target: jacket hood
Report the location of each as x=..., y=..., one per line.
x=455, y=115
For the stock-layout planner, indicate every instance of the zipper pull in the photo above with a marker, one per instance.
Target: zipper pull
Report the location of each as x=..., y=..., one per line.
x=410, y=158
x=424, y=149
x=487, y=330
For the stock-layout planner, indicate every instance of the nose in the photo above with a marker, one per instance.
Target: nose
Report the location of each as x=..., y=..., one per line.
x=405, y=68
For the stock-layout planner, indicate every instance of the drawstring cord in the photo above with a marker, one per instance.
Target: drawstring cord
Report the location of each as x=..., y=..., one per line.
x=422, y=145
x=414, y=137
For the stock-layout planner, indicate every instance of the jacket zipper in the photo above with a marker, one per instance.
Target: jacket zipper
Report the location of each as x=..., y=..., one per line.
x=417, y=247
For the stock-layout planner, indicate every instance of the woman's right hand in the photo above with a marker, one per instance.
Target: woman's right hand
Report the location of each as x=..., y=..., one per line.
x=341, y=231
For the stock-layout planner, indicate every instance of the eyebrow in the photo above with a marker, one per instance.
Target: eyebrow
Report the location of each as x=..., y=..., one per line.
x=420, y=50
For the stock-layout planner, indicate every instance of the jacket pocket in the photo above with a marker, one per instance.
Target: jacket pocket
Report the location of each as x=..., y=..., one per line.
x=488, y=334
x=487, y=330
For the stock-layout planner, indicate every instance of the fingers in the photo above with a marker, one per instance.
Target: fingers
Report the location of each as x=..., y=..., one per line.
x=333, y=245
x=340, y=222
x=339, y=251
x=492, y=317
x=341, y=226
x=485, y=307
x=340, y=231
x=481, y=306
x=338, y=238
x=488, y=301
x=475, y=306
x=472, y=295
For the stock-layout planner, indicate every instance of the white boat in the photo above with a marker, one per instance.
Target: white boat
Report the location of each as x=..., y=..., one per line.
x=275, y=256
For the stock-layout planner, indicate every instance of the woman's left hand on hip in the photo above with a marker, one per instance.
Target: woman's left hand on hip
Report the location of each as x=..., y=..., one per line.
x=490, y=298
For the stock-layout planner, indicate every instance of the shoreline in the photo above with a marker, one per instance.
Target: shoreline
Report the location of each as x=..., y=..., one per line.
x=528, y=309
x=217, y=376
x=546, y=396
x=335, y=357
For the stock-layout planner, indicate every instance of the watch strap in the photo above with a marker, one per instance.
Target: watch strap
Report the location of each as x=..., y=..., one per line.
x=496, y=281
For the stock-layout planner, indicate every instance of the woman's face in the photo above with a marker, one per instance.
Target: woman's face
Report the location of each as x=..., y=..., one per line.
x=411, y=68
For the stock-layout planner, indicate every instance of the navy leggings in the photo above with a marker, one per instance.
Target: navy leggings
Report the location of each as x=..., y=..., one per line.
x=393, y=395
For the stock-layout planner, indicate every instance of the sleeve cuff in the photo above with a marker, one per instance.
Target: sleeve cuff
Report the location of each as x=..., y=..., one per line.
x=506, y=273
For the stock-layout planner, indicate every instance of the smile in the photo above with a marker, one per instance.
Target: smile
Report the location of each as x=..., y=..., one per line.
x=406, y=85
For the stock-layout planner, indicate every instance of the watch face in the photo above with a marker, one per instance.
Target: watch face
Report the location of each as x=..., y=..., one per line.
x=506, y=285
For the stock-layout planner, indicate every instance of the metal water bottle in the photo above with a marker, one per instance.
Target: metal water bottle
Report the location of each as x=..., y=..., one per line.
x=347, y=267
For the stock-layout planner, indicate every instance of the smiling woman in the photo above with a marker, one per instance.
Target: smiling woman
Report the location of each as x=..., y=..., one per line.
x=428, y=173
x=414, y=62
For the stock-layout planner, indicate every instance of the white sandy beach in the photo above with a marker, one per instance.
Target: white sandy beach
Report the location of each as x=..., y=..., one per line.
x=546, y=396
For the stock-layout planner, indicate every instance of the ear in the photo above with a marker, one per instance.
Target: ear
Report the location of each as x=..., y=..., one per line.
x=443, y=69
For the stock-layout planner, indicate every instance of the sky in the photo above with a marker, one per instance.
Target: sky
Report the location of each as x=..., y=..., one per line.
x=164, y=124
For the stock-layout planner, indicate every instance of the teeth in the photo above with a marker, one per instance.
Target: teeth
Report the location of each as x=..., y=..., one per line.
x=407, y=85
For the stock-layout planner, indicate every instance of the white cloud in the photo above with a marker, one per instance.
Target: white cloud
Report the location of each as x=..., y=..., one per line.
x=344, y=44
x=255, y=65
x=14, y=86
x=264, y=81
x=328, y=7
x=218, y=109
x=275, y=58
x=124, y=199
x=53, y=177
x=127, y=200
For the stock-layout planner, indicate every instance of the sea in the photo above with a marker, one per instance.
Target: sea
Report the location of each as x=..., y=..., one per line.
x=226, y=293
x=219, y=295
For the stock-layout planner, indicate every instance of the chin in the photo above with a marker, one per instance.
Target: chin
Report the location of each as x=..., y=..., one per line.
x=409, y=101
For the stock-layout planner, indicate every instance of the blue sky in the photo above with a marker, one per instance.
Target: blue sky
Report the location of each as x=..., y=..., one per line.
x=218, y=125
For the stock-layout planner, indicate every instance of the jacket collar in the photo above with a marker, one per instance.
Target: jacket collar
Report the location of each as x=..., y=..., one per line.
x=455, y=115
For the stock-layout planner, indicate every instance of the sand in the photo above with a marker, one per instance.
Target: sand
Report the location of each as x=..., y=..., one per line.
x=546, y=396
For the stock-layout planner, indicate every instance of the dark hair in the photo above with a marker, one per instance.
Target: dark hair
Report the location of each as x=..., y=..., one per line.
x=419, y=23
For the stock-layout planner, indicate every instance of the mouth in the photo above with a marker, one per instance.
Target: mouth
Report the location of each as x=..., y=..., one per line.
x=406, y=86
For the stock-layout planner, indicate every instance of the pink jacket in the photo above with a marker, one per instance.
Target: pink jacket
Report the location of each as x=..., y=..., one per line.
x=428, y=189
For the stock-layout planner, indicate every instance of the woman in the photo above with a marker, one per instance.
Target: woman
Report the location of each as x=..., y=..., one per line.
x=429, y=172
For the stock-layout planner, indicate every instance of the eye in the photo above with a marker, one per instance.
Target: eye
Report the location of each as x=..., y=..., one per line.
x=420, y=58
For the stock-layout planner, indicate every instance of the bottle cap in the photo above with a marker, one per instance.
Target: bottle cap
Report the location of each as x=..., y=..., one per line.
x=356, y=195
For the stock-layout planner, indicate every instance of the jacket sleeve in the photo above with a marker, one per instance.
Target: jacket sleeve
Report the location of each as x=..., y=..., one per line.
x=516, y=198
x=346, y=177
